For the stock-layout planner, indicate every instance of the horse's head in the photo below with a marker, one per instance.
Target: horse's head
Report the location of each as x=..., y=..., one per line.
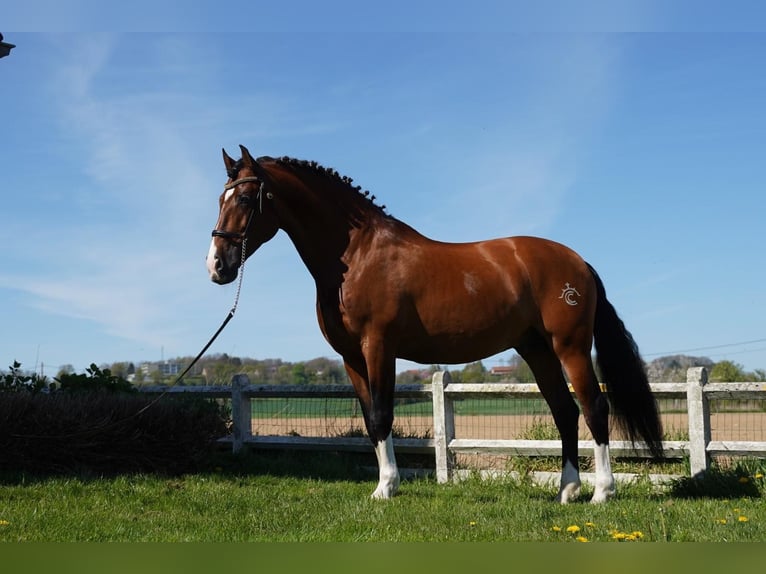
x=245, y=220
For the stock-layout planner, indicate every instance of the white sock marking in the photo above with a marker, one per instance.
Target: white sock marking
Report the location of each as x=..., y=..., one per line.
x=604, y=478
x=388, y=471
x=570, y=483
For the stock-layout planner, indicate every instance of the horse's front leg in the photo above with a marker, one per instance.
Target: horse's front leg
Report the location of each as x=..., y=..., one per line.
x=376, y=397
x=388, y=472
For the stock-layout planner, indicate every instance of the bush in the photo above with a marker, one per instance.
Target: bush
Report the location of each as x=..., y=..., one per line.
x=15, y=381
x=94, y=380
x=94, y=424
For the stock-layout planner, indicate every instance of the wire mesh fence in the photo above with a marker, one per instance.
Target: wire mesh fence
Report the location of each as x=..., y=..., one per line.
x=738, y=420
x=333, y=417
x=493, y=417
x=490, y=417
x=701, y=420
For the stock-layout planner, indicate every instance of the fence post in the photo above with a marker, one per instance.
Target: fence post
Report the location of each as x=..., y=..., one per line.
x=444, y=426
x=699, y=420
x=241, y=415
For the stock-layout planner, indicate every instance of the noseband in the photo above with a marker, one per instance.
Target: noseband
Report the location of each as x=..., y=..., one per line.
x=242, y=235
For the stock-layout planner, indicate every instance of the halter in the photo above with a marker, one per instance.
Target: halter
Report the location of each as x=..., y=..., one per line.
x=242, y=236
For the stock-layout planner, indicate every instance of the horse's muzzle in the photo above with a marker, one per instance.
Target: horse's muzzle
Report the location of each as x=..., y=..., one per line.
x=220, y=271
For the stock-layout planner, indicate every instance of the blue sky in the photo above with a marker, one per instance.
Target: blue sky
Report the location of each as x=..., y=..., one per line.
x=637, y=138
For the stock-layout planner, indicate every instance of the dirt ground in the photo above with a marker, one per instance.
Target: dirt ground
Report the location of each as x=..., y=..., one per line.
x=737, y=426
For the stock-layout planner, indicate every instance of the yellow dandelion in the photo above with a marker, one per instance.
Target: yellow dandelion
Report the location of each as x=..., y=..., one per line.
x=619, y=535
x=637, y=534
x=758, y=475
x=630, y=537
x=742, y=519
x=581, y=539
x=721, y=521
x=4, y=523
x=472, y=523
x=590, y=525
x=556, y=528
x=574, y=528
x=743, y=480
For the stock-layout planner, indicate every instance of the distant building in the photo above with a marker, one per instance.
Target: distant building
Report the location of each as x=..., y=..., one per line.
x=170, y=369
x=165, y=368
x=502, y=371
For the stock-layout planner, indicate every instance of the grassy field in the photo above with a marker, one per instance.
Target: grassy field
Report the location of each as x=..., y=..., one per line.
x=321, y=498
x=333, y=407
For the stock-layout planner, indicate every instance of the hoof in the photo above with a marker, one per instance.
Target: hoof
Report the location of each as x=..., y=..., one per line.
x=568, y=493
x=603, y=493
x=570, y=484
x=385, y=491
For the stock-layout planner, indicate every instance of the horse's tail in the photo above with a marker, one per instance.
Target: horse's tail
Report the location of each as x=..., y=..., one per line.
x=623, y=373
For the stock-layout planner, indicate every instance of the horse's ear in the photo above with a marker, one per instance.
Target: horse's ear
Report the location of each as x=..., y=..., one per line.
x=227, y=161
x=247, y=159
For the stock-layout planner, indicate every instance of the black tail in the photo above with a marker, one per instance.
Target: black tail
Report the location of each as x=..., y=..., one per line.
x=623, y=373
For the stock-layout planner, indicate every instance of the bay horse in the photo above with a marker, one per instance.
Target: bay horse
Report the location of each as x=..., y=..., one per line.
x=386, y=291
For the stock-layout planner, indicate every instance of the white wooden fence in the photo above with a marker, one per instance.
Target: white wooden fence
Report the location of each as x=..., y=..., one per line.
x=444, y=445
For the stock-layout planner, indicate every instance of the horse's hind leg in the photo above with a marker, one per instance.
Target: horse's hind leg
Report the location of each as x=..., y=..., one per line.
x=579, y=369
x=550, y=379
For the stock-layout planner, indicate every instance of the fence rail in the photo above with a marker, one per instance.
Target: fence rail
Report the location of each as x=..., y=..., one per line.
x=444, y=445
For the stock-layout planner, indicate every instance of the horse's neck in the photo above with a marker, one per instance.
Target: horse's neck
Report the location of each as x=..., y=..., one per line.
x=321, y=236
x=327, y=225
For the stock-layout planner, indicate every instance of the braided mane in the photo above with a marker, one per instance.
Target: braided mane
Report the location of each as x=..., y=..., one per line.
x=330, y=173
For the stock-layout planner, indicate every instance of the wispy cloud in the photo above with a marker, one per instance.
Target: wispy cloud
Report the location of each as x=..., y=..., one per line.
x=128, y=256
x=659, y=279
x=522, y=171
x=136, y=236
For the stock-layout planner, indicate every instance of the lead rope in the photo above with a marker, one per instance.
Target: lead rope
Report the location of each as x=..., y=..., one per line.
x=225, y=321
x=215, y=335
x=239, y=283
x=159, y=397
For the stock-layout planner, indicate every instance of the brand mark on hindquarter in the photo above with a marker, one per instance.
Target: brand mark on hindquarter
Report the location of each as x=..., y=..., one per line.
x=568, y=294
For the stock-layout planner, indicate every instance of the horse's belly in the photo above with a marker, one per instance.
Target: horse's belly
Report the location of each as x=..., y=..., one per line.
x=451, y=355
x=460, y=346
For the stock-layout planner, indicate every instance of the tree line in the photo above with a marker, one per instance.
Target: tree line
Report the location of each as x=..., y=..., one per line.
x=218, y=369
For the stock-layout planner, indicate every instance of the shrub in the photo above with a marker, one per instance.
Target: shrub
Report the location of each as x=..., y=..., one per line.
x=94, y=424
x=541, y=430
x=94, y=380
x=15, y=381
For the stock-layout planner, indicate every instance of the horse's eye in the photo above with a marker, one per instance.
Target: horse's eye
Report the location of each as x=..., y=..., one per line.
x=243, y=200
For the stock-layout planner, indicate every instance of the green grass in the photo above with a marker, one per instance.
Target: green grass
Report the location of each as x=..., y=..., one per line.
x=325, y=497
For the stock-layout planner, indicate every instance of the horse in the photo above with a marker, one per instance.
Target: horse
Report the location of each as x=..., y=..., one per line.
x=384, y=291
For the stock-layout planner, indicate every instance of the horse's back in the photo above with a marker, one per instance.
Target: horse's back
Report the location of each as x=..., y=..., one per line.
x=470, y=300
x=518, y=263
